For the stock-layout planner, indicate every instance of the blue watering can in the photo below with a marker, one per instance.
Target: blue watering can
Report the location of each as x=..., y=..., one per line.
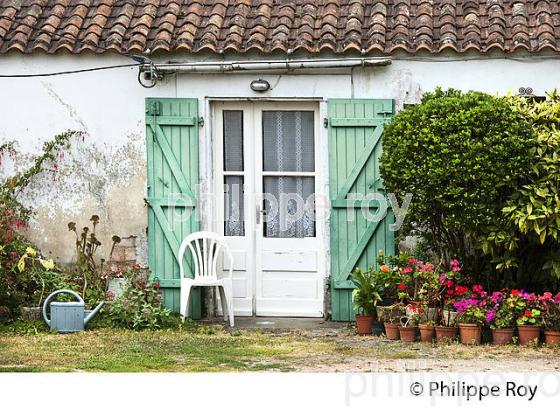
x=68, y=317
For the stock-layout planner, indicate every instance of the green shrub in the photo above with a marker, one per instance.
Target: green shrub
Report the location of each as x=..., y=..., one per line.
x=140, y=306
x=525, y=242
x=459, y=154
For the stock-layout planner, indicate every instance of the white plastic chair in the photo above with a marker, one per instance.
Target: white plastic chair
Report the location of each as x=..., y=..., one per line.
x=206, y=248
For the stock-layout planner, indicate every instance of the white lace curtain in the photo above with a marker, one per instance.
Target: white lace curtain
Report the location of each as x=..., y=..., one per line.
x=288, y=146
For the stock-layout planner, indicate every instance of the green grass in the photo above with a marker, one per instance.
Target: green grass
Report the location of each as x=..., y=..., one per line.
x=204, y=348
x=30, y=347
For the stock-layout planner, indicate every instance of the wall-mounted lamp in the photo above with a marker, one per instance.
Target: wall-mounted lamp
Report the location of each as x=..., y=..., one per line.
x=260, y=85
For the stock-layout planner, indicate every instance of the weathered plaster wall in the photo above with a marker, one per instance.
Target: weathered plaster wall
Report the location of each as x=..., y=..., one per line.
x=105, y=174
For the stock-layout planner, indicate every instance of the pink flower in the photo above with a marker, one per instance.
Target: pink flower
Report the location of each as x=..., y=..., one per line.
x=477, y=288
x=429, y=267
x=408, y=269
x=442, y=277
x=456, y=269
x=454, y=262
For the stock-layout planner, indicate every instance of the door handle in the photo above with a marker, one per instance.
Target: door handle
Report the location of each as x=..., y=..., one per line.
x=259, y=213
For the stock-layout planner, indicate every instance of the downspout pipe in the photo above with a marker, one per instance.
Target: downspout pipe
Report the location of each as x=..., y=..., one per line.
x=263, y=65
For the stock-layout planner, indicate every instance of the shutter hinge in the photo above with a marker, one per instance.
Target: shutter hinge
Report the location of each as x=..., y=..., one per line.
x=201, y=121
x=153, y=108
x=326, y=122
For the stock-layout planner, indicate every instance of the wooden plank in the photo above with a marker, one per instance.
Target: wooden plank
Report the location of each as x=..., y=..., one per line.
x=171, y=120
x=355, y=122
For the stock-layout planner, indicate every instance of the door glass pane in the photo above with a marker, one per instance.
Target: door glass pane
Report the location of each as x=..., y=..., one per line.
x=289, y=203
x=234, y=220
x=233, y=140
x=288, y=141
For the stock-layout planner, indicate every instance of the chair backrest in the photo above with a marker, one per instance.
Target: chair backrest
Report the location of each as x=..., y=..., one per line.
x=205, y=248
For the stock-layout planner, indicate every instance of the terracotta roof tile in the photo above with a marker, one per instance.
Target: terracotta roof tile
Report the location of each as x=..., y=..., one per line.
x=365, y=26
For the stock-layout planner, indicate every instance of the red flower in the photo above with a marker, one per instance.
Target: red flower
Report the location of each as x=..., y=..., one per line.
x=448, y=283
x=515, y=292
x=401, y=286
x=528, y=313
x=477, y=288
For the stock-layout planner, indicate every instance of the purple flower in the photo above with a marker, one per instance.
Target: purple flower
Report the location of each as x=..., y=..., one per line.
x=442, y=277
x=490, y=316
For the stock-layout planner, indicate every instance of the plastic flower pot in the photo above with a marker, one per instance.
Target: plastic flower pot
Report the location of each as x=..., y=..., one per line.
x=552, y=337
x=408, y=333
x=502, y=336
x=445, y=333
x=449, y=318
x=470, y=333
x=427, y=332
x=377, y=328
x=364, y=324
x=392, y=331
x=528, y=334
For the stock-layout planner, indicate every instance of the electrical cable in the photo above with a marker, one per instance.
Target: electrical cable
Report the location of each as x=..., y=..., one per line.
x=83, y=70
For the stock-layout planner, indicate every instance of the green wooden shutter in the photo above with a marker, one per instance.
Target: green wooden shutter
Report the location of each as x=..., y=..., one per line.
x=172, y=145
x=355, y=131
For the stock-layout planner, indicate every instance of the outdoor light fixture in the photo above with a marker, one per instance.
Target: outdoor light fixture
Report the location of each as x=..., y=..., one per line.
x=260, y=85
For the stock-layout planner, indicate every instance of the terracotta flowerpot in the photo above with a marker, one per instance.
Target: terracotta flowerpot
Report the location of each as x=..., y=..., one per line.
x=408, y=333
x=502, y=336
x=445, y=333
x=392, y=331
x=363, y=324
x=427, y=333
x=470, y=333
x=528, y=333
x=552, y=337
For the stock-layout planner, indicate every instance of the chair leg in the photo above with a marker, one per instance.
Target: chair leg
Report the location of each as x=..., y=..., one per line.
x=228, y=290
x=223, y=301
x=185, y=295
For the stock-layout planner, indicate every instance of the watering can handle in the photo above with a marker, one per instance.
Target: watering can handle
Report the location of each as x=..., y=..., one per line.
x=48, y=299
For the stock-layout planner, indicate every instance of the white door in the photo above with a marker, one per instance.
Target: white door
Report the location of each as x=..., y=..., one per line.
x=266, y=165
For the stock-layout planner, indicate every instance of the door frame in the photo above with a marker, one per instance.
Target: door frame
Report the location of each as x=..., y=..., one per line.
x=216, y=105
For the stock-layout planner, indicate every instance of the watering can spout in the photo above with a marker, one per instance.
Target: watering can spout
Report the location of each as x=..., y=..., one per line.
x=92, y=313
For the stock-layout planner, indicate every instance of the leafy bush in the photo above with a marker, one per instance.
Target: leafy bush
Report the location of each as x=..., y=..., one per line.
x=525, y=241
x=140, y=306
x=459, y=154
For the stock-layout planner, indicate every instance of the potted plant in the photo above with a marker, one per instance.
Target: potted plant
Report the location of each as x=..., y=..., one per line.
x=365, y=297
x=447, y=329
x=551, y=318
x=390, y=317
x=409, y=325
x=427, y=331
x=500, y=315
x=530, y=319
x=471, y=311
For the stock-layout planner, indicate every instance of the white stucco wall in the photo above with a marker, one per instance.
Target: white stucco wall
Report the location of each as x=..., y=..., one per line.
x=105, y=174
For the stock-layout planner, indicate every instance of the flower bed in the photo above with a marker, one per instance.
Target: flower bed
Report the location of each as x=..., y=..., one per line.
x=440, y=302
